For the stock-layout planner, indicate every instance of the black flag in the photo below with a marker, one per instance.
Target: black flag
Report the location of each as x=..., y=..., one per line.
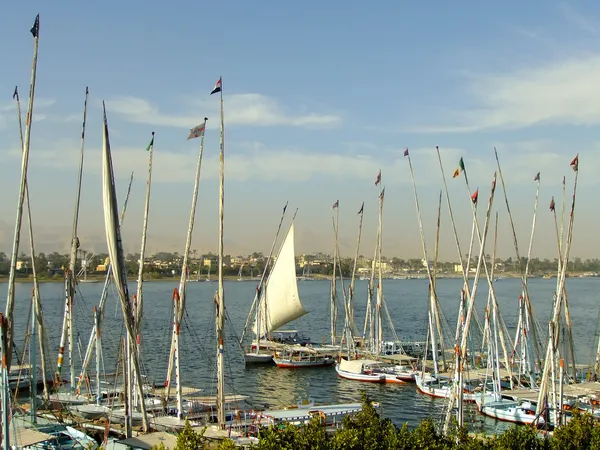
x=16, y=94
x=362, y=208
x=36, y=26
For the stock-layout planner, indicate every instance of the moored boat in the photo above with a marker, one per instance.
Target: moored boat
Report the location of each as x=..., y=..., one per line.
x=297, y=356
x=359, y=370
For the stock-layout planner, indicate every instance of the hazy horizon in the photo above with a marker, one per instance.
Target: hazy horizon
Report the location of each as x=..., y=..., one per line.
x=315, y=105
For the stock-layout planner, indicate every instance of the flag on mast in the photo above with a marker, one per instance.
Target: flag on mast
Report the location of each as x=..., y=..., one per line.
x=362, y=208
x=382, y=194
x=552, y=205
x=475, y=196
x=151, y=144
x=459, y=169
x=406, y=152
x=35, y=29
x=537, y=177
x=336, y=204
x=217, y=87
x=197, y=131
x=378, y=179
x=16, y=93
x=575, y=163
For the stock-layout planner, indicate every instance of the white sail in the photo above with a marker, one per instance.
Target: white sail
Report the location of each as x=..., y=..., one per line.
x=119, y=274
x=281, y=303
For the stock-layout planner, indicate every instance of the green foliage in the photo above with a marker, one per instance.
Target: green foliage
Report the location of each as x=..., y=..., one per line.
x=581, y=432
x=227, y=444
x=519, y=438
x=160, y=446
x=188, y=439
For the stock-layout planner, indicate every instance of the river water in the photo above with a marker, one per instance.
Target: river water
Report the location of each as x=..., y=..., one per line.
x=406, y=301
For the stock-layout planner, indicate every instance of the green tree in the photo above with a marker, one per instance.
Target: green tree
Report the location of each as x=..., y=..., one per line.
x=520, y=438
x=188, y=439
x=581, y=432
x=366, y=430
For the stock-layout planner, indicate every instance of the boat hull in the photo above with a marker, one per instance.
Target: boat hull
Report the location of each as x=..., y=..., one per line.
x=369, y=378
x=258, y=358
x=287, y=364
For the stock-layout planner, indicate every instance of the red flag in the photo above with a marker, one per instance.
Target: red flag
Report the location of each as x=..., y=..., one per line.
x=336, y=204
x=217, y=87
x=552, y=205
x=475, y=196
x=406, y=152
x=378, y=179
x=575, y=163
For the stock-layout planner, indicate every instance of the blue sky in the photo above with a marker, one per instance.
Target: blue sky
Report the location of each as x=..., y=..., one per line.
x=316, y=102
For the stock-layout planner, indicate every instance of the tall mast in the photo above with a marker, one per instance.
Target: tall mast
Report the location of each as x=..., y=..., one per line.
x=10, y=299
x=255, y=307
x=5, y=385
x=333, y=296
x=140, y=278
x=70, y=281
x=461, y=350
x=522, y=272
x=352, y=280
x=220, y=316
x=38, y=326
x=180, y=295
x=432, y=293
x=379, y=306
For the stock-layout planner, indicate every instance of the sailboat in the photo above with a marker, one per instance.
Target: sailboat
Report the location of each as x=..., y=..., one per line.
x=278, y=304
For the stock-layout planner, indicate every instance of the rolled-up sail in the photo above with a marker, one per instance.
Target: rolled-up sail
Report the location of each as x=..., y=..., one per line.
x=281, y=303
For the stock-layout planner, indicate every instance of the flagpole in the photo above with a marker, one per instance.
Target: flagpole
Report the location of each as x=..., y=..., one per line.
x=140, y=280
x=221, y=310
x=10, y=300
x=138, y=296
x=179, y=295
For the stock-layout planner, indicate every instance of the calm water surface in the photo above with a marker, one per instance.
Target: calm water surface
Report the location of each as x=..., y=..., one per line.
x=407, y=305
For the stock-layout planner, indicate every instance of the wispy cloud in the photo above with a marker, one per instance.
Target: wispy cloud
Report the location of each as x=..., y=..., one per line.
x=241, y=109
x=253, y=161
x=8, y=111
x=560, y=92
x=580, y=21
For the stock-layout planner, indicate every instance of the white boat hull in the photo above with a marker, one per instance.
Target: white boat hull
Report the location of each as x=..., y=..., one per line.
x=371, y=378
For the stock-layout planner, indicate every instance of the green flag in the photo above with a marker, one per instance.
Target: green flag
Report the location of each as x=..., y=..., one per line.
x=459, y=169
x=151, y=144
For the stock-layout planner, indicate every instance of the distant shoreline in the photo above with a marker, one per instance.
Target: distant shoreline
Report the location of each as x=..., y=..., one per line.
x=101, y=278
